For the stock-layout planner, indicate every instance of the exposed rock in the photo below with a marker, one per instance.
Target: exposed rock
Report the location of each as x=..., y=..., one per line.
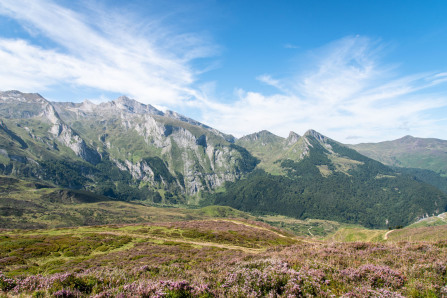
x=166, y=150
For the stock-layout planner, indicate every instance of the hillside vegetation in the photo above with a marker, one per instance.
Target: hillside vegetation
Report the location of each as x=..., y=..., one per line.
x=336, y=183
x=125, y=151
x=215, y=251
x=213, y=258
x=29, y=204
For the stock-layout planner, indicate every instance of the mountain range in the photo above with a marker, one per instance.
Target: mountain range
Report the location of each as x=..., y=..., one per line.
x=126, y=151
x=115, y=144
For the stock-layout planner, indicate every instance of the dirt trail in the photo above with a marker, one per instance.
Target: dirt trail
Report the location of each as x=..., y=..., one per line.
x=252, y=226
x=310, y=231
x=385, y=237
x=302, y=239
x=209, y=244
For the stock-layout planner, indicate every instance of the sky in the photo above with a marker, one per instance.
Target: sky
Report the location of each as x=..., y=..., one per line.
x=355, y=71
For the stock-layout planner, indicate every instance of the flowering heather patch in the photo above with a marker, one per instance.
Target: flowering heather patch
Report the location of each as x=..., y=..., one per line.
x=135, y=261
x=6, y=284
x=271, y=278
x=245, y=233
x=375, y=275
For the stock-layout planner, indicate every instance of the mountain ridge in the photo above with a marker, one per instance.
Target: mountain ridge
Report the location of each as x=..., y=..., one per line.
x=321, y=178
x=166, y=150
x=131, y=151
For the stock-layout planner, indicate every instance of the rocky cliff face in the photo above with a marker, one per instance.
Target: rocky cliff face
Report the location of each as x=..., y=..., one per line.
x=17, y=105
x=196, y=156
x=162, y=150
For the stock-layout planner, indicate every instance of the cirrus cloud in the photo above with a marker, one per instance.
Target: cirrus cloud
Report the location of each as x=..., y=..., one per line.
x=345, y=90
x=348, y=95
x=99, y=49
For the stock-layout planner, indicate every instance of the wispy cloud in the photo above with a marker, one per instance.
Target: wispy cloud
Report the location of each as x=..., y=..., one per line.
x=291, y=46
x=348, y=94
x=344, y=89
x=100, y=49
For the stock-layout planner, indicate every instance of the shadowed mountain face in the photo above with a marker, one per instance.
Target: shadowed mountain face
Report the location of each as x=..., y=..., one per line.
x=409, y=152
x=131, y=151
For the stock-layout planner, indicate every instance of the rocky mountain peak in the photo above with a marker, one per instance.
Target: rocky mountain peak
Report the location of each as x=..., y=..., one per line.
x=14, y=95
x=292, y=138
x=132, y=106
x=261, y=136
x=87, y=106
x=319, y=137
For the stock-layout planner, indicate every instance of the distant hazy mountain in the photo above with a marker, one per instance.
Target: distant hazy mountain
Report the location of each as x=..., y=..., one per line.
x=409, y=152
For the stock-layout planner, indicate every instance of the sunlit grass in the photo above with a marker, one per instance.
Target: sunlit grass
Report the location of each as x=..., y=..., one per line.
x=352, y=234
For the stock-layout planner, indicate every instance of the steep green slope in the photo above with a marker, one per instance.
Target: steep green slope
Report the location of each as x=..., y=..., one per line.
x=410, y=152
x=269, y=148
x=334, y=182
x=427, y=176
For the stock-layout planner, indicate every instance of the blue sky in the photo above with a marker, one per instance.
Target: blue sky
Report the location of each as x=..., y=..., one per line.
x=356, y=71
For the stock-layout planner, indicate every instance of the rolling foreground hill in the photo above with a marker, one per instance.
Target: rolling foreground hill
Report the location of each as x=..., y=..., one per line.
x=214, y=258
x=129, y=151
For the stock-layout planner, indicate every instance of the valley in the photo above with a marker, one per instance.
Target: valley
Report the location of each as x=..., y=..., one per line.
x=122, y=199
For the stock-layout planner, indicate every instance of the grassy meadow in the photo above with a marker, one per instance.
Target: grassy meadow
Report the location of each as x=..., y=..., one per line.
x=214, y=258
x=59, y=243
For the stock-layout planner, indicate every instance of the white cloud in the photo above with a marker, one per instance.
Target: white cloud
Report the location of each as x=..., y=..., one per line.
x=348, y=96
x=99, y=49
x=343, y=91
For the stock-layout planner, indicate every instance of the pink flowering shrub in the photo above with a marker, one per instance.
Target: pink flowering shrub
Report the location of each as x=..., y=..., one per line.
x=375, y=276
x=6, y=284
x=273, y=278
x=215, y=259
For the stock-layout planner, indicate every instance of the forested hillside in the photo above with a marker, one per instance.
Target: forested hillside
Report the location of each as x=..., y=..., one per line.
x=369, y=194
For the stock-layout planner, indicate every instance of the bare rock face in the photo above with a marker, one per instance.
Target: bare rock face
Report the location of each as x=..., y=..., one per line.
x=34, y=106
x=197, y=156
x=161, y=149
x=292, y=138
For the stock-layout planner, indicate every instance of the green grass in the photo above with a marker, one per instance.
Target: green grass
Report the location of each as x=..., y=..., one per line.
x=205, y=246
x=222, y=211
x=439, y=220
x=55, y=250
x=412, y=234
x=354, y=234
x=308, y=227
x=24, y=206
